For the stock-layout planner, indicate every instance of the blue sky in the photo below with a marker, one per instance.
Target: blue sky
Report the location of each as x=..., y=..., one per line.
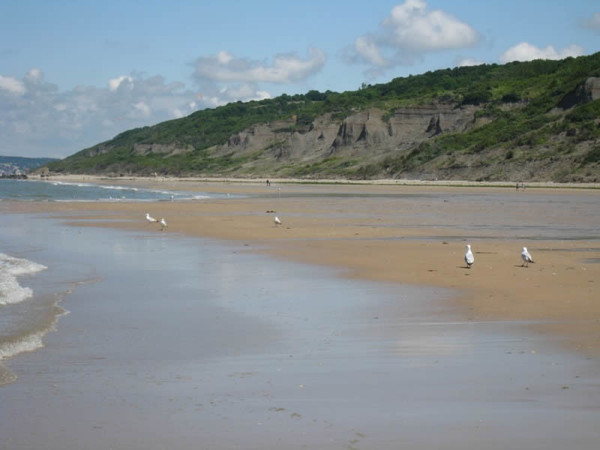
x=77, y=72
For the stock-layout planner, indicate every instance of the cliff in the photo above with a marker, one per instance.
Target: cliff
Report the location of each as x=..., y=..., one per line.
x=535, y=121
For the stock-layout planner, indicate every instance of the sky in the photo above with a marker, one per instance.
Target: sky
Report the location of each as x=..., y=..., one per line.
x=74, y=73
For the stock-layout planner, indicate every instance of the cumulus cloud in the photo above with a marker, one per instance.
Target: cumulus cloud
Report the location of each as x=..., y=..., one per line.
x=224, y=77
x=285, y=68
x=415, y=28
x=410, y=31
x=35, y=75
x=37, y=119
x=115, y=83
x=11, y=86
x=593, y=22
x=143, y=108
x=367, y=48
x=214, y=95
x=467, y=62
x=527, y=52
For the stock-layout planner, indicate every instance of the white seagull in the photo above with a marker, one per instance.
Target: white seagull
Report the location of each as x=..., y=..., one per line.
x=526, y=257
x=163, y=224
x=150, y=219
x=277, y=221
x=469, y=258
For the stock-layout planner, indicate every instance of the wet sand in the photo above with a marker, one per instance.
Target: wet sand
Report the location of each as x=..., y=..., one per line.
x=382, y=340
x=410, y=234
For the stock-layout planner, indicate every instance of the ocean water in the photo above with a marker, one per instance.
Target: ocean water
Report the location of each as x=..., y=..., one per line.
x=27, y=315
x=29, y=190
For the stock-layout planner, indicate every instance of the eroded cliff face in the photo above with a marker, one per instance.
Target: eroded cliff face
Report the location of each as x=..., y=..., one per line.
x=161, y=149
x=369, y=133
x=388, y=144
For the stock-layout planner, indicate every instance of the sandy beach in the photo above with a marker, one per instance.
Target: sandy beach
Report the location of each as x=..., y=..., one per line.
x=354, y=324
x=412, y=234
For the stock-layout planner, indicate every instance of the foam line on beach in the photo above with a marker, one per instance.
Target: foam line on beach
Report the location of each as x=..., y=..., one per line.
x=10, y=290
x=27, y=341
x=84, y=191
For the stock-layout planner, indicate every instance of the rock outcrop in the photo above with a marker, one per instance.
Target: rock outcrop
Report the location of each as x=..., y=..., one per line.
x=161, y=149
x=369, y=130
x=586, y=92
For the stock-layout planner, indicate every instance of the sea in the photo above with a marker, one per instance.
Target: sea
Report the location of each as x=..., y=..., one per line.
x=34, y=190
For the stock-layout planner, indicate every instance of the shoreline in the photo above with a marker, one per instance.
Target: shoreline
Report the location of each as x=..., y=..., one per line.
x=324, y=181
x=374, y=239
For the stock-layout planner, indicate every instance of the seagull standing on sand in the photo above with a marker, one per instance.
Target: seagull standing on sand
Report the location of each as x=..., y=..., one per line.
x=163, y=224
x=277, y=221
x=150, y=219
x=526, y=257
x=469, y=258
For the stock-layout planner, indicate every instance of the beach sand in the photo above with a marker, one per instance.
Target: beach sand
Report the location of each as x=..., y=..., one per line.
x=354, y=324
x=412, y=234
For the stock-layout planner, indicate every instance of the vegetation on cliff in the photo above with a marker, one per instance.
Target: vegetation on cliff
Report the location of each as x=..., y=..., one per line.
x=533, y=120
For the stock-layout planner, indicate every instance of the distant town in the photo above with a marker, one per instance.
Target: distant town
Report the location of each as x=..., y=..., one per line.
x=19, y=167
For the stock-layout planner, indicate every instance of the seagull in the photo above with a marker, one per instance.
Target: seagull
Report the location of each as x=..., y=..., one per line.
x=163, y=224
x=150, y=219
x=469, y=258
x=526, y=257
x=277, y=221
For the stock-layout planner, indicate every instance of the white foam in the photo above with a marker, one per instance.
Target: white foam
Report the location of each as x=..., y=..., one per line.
x=11, y=268
x=119, y=190
x=66, y=183
x=29, y=343
x=116, y=188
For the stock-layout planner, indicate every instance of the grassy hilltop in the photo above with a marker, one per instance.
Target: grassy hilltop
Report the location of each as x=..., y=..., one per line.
x=536, y=120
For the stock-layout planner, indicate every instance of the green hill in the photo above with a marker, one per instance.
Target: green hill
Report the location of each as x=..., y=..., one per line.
x=536, y=120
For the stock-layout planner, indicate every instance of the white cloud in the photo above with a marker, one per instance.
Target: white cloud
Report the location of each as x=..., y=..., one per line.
x=286, y=68
x=223, y=78
x=215, y=95
x=367, y=49
x=527, y=52
x=415, y=28
x=466, y=62
x=11, y=85
x=593, y=22
x=34, y=76
x=37, y=119
x=224, y=57
x=410, y=31
x=262, y=95
x=114, y=83
x=143, y=108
